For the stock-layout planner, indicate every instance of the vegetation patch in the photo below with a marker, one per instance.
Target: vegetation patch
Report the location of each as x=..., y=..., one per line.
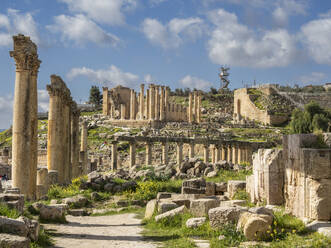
x=8, y=212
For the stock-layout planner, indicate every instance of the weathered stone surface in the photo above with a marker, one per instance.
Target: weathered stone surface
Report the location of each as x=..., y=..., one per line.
x=210, y=188
x=232, y=203
x=221, y=187
x=212, y=174
x=13, y=241
x=15, y=201
x=77, y=212
x=200, y=207
x=165, y=207
x=234, y=186
x=261, y=210
x=224, y=215
x=76, y=202
x=170, y=213
x=17, y=227
x=163, y=195
x=150, y=208
x=255, y=226
x=323, y=227
x=54, y=212
x=194, y=186
x=181, y=202
x=195, y=222
x=33, y=227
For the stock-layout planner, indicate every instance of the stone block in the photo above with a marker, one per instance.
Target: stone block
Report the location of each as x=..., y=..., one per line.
x=171, y=213
x=195, y=222
x=200, y=207
x=323, y=227
x=54, y=212
x=165, y=207
x=221, y=216
x=13, y=241
x=163, y=195
x=210, y=188
x=13, y=226
x=15, y=201
x=150, y=208
x=234, y=186
x=194, y=183
x=220, y=188
x=181, y=202
x=187, y=190
x=232, y=203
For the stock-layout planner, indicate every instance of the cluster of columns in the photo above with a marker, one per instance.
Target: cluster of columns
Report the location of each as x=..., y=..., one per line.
x=25, y=120
x=194, y=109
x=234, y=152
x=63, y=133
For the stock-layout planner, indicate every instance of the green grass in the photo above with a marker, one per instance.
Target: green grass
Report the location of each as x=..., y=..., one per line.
x=90, y=113
x=226, y=175
x=6, y=138
x=44, y=240
x=8, y=212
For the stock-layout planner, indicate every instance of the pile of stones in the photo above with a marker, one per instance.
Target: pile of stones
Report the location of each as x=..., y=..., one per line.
x=202, y=199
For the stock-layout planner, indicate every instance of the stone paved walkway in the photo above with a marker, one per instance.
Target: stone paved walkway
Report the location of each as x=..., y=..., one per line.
x=122, y=230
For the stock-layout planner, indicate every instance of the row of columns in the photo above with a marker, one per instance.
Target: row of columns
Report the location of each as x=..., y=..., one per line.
x=235, y=153
x=25, y=119
x=194, y=109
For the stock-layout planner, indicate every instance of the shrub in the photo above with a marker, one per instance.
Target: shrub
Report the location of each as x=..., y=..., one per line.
x=8, y=212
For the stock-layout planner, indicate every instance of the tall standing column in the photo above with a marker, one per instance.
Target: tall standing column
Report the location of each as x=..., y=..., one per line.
x=148, y=153
x=213, y=154
x=132, y=154
x=195, y=108
x=152, y=102
x=166, y=102
x=105, y=101
x=132, y=105
x=141, y=106
x=235, y=154
x=199, y=109
x=165, y=148
x=224, y=152
x=229, y=156
x=24, y=162
x=179, y=153
x=162, y=107
x=157, y=102
x=123, y=111
x=206, y=153
x=75, y=141
x=239, y=154
x=218, y=153
x=83, y=146
x=190, y=108
x=147, y=104
x=114, y=155
x=191, y=150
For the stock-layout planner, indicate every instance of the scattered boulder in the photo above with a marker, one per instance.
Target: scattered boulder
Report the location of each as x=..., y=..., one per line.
x=13, y=226
x=170, y=213
x=200, y=207
x=13, y=241
x=150, y=208
x=166, y=206
x=51, y=213
x=234, y=186
x=224, y=215
x=76, y=201
x=195, y=222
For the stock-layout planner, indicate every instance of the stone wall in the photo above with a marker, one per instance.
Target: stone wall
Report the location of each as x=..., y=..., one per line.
x=323, y=99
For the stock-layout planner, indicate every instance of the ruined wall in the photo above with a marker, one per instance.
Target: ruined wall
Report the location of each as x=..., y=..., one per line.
x=323, y=99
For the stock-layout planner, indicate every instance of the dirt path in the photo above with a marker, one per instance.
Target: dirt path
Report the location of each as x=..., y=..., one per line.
x=122, y=230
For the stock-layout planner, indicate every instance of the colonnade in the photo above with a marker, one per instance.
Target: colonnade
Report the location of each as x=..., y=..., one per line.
x=194, y=109
x=213, y=150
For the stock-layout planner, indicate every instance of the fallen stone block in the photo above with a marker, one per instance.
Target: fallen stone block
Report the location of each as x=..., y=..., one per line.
x=51, y=213
x=210, y=188
x=13, y=226
x=76, y=201
x=232, y=203
x=323, y=227
x=170, y=213
x=220, y=188
x=224, y=215
x=150, y=208
x=195, y=222
x=77, y=212
x=165, y=207
x=13, y=241
x=163, y=195
x=254, y=226
x=235, y=186
x=200, y=207
x=33, y=227
x=181, y=202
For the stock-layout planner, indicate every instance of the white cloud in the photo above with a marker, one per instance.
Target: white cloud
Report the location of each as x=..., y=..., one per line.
x=194, y=82
x=43, y=100
x=235, y=44
x=314, y=77
x=286, y=8
x=149, y=79
x=110, y=77
x=156, y=2
x=316, y=36
x=81, y=30
x=15, y=22
x=103, y=11
x=280, y=16
x=174, y=33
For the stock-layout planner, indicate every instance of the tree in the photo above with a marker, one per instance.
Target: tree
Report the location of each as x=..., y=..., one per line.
x=312, y=118
x=95, y=96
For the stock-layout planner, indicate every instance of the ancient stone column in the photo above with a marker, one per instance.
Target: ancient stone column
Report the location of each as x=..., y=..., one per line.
x=206, y=153
x=105, y=101
x=25, y=123
x=165, y=158
x=191, y=150
x=166, y=102
x=224, y=153
x=152, y=102
x=75, y=141
x=42, y=183
x=195, y=107
x=244, y=153
x=157, y=102
x=83, y=146
x=190, y=108
x=249, y=154
x=179, y=152
x=162, y=103
x=114, y=155
x=148, y=153
x=132, y=154
x=123, y=111
x=235, y=154
x=132, y=105
x=229, y=156
x=218, y=153
x=213, y=154
x=66, y=140
x=147, y=104
x=239, y=159
x=199, y=109
x=141, y=106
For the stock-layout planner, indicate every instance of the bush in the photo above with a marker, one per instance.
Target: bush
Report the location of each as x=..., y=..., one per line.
x=8, y=212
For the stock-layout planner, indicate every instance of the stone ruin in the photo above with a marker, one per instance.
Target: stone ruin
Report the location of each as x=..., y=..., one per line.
x=298, y=176
x=124, y=107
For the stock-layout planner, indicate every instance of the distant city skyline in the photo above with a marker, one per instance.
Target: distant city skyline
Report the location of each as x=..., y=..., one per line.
x=180, y=43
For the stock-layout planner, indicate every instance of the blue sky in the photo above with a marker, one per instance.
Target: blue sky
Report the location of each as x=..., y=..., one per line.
x=181, y=43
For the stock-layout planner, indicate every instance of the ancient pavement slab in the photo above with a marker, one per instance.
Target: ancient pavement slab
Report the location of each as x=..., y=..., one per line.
x=121, y=230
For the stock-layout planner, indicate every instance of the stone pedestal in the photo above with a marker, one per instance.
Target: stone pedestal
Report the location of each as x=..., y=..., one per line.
x=25, y=123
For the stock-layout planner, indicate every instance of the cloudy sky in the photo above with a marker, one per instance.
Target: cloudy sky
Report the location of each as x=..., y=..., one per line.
x=181, y=43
